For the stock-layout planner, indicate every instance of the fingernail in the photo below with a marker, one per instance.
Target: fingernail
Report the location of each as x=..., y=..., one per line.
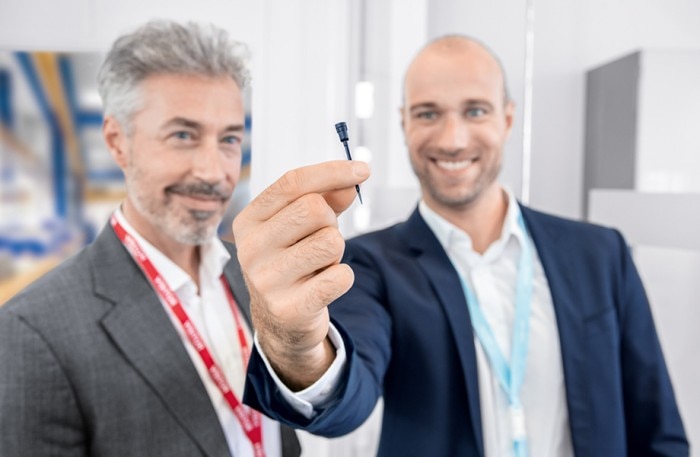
x=361, y=169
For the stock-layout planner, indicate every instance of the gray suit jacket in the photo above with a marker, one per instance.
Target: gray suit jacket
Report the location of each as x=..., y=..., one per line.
x=90, y=365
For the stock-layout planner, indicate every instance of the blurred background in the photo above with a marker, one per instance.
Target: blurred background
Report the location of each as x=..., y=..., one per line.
x=606, y=126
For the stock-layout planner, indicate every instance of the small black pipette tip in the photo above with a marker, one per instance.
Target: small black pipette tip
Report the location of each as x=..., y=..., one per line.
x=342, y=129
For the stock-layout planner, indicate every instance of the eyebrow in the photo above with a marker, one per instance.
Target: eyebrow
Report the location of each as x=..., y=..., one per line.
x=189, y=123
x=479, y=102
x=467, y=103
x=425, y=105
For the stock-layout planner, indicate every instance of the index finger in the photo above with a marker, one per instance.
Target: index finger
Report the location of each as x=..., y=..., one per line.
x=318, y=178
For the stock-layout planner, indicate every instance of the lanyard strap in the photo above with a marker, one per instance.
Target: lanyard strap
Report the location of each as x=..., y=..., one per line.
x=510, y=377
x=249, y=419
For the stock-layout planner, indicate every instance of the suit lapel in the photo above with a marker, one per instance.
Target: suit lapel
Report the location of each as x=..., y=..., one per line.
x=144, y=334
x=438, y=268
x=557, y=261
x=234, y=277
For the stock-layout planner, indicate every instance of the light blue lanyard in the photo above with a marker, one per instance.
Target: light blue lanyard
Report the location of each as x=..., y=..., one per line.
x=509, y=377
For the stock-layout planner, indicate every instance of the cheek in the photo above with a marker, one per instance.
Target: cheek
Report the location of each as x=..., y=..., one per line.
x=417, y=140
x=487, y=140
x=156, y=175
x=495, y=136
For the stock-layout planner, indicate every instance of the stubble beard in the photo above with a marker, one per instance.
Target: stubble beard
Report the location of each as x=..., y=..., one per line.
x=464, y=196
x=191, y=227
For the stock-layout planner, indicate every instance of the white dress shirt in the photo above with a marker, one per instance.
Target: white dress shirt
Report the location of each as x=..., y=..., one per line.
x=492, y=277
x=209, y=310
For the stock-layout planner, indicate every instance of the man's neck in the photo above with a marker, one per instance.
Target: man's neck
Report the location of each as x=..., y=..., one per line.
x=185, y=256
x=482, y=219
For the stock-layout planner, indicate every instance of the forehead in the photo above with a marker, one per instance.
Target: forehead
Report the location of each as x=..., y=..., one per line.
x=206, y=99
x=451, y=74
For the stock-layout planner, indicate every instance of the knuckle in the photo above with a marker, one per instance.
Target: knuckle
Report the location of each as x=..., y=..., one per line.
x=286, y=188
x=323, y=291
x=334, y=241
x=300, y=212
x=310, y=210
x=290, y=182
x=327, y=245
x=313, y=205
x=331, y=284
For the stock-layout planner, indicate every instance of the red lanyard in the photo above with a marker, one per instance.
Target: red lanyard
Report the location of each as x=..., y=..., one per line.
x=249, y=419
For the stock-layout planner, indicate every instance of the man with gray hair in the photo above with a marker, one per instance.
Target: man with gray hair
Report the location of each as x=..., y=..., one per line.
x=137, y=346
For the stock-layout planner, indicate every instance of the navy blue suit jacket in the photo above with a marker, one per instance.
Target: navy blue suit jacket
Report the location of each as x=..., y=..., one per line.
x=409, y=337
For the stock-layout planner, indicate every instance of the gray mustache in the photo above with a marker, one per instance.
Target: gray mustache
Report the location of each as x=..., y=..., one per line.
x=201, y=189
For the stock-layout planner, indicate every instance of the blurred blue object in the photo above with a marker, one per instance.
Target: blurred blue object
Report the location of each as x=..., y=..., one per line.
x=6, y=112
x=51, y=238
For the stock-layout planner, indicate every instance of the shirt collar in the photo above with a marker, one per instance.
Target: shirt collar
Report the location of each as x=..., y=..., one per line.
x=449, y=234
x=214, y=256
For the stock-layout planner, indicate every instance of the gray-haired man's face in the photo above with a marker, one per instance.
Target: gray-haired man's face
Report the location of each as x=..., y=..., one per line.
x=182, y=158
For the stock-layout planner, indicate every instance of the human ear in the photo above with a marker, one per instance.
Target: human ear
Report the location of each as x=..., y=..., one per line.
x=116, y=140
x=509, y=113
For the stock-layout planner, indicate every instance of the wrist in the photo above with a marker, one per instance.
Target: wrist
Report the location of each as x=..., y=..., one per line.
x=298, y=368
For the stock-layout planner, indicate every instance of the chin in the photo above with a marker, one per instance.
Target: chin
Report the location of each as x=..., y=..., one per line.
x=193, y=231
x=457, y=202
x=196, y=238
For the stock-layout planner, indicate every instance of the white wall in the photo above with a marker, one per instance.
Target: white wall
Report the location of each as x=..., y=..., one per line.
x=571, y=37
x=668, y=143
x=300, y=87
x=671, y=279
x=393, y=32
x=92, y=25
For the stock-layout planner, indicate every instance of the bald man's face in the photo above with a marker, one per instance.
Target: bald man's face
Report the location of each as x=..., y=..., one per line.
x=455, y=122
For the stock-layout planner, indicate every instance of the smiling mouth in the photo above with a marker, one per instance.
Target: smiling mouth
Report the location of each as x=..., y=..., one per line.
x=454, y=165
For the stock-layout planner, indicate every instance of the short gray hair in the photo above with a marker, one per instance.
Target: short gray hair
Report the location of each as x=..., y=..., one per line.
x=166, y=47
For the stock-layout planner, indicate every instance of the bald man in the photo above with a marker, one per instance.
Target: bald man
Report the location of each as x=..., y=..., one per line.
x=489, y=328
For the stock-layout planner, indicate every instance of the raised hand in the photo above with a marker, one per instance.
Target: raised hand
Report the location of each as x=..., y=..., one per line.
x=289, y=248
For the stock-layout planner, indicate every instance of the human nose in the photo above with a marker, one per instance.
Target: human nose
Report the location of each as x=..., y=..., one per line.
x=207, y=163
x=453, y=134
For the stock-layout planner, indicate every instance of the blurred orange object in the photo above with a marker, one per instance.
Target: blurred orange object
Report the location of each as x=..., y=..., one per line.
x=10, y=286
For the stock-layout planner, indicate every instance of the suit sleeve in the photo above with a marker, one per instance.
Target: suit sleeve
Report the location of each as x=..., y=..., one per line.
x=654, y=426
x=38, y=409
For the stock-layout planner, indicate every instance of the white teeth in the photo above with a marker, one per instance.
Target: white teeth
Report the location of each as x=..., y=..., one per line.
x=452, y=165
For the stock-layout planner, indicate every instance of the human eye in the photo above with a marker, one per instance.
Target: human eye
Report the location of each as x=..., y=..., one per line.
x=426, y=115
x=182, y=135
x=231, y=145
x=476, y=112
x=231, y=140
x=181, y=139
